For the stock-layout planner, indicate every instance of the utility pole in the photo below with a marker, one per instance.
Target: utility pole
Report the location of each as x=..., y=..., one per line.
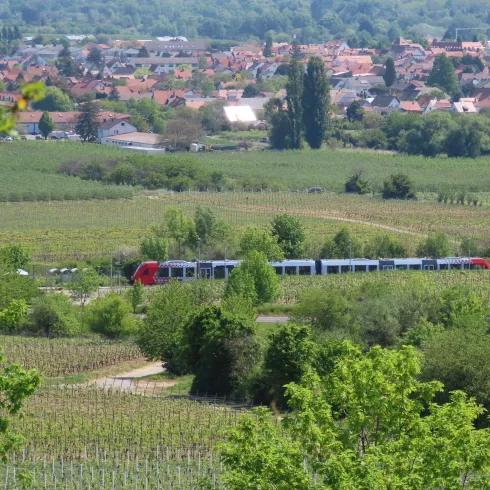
x=198, y=257
x=350, y=255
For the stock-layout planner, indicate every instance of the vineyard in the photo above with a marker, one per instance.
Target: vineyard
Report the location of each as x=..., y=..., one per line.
x=56, y=231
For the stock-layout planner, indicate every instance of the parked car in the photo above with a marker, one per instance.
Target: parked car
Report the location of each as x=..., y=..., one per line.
x=315, y=190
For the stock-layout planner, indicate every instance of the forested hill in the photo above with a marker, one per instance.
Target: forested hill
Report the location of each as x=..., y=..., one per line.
x=369, y=20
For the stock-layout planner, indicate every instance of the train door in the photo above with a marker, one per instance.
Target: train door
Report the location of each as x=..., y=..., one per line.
x=429, y=265
x=386, y=265
x=205, y=270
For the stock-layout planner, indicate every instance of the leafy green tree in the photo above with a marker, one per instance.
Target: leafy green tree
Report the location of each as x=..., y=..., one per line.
x=85, y=283
x=268, y=46
x=398, y=186
x=467, y=139
x=143, y=52
x=357, y=184
x=279, y=137
x=180, y=228
x=87, y=125
x=67, y=66
x=289, y=356
x=443, y=75
x=95, y=56
x=46, y=125
x=161, y=337
x=260, y=240
x=136, y=295
x=53, y=315
x=14, y=256
x=250, y=91
x=384, y=246
x=211, y=336
x=142, y=73
x=342, y=246
x=16, y=385
x=435, y=245
x=154, y=248
x=205, y=222
x=316, y=102
x=355, y=112
x=469, y=247
x=390, y=74
x=294, y=89
x=114, y=94
x=459, y=358
x=54, y=101
x=13, y=315
x=212, y=115
x=290, y=235
x=110, y=316
x=369, y=425
x=255, y=273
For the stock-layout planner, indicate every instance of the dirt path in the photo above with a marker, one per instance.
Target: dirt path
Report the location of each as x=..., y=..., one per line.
x=131, y=381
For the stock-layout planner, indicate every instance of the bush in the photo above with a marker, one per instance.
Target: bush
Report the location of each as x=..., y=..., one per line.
x=356, y=184
x=436, y=245
x=110, y=316
x=398, y=186
x=53, y=315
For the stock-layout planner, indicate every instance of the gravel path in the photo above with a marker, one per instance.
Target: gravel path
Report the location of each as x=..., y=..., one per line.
x=130, y=381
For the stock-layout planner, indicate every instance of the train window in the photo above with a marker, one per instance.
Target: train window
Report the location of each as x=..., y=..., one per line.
x=360, y=268
x=278, y=270
x=219, y=272
x=373, y=268
x=414, y=267
x=176, y=272
x=163, y=272
x=401, y=267
x=305, y=270
x=146, y=272
x=387, y=267
x=290, y=270
x=190, y=272
x=230, y=268
x=344, y=268
x=443, y=267
x=332, y=269
x=456, y=266
x=428, y=267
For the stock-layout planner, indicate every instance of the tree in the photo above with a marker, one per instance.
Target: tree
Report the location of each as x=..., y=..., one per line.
x=14, y=256
x=290, y=235
x=161, y=336
x=435, y=245
x=84, y=284
x=46, y=125
x=279, y=138
x=384, y=246
x=250, y=91
x=294, y=98
x=213, y=116
x=143, y=52
x=110, y=316
x=54, y=101
x=259, y=240
x=443, y=75
x=180, y=228
x=355, y=112
x=336, y=438
x=181, y=131
x=66, y=66
x=398, y=186
x=268, y=46
x=296, y=50
x=210, y=336
x=154, y=248
x=113, y=94
x=136, y=295
x=95, y=56
x=205, y=222
x=54, y=315
x=256, y=273
x=287, y=359
x=316, y=101
x=357, y=184
x=390, y=74
x=16, y=385
x=467, y=139
x=87, y=125
x=342, y=246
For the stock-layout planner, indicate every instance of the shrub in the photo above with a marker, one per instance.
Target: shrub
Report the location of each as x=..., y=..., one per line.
x=398, y=186
x=110, y=316
x=357, y=184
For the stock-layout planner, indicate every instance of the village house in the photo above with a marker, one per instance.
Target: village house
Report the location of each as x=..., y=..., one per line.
x=113, y=127
x=163, y=65
x=136, y=141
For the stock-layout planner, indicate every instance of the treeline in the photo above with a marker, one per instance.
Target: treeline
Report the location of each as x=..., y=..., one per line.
x=456, y=135
x=365, y=24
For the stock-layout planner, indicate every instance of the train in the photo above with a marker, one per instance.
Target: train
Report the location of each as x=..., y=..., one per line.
x=154, y=273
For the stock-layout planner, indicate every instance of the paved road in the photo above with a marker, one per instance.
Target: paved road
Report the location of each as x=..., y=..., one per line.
x=272, y=319
x=130, y=381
